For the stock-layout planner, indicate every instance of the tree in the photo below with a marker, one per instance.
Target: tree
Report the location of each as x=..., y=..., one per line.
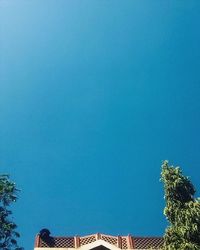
x=8, y=195
x=182, y=210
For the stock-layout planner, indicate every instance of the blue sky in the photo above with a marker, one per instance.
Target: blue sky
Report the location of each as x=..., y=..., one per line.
x=93, y=96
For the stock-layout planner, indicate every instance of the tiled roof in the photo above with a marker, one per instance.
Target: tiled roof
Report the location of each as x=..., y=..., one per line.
x=122, y=242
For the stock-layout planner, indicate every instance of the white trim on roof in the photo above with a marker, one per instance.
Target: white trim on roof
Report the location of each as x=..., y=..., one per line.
x=98, y=243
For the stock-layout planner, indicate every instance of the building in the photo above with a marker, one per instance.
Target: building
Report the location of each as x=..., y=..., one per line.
x=97, y=241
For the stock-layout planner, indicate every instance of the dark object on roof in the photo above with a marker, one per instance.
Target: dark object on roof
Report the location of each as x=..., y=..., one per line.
x=44, y=233
x=45, y=237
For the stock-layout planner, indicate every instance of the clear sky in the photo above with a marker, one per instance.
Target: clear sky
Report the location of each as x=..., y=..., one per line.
x=94, y=94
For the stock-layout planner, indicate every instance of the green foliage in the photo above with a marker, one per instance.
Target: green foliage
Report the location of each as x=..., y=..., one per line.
x=182, y=210
x=8, y=234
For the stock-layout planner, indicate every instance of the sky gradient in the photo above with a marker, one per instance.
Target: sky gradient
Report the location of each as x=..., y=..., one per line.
x=94, y=95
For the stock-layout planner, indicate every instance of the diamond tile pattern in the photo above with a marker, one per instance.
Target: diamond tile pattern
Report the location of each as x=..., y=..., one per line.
x=87, y=240
x=110, y=239
x=147, y=242
x=124, y=243
x=58, y=242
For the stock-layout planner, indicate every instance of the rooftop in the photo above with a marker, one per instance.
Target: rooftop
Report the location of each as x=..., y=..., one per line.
x=120, y=242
